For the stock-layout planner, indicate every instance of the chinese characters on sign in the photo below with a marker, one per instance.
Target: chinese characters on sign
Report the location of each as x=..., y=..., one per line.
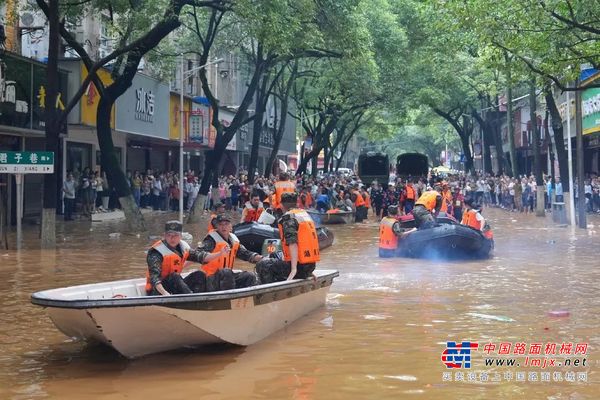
x=516, y=376
x=26, y=162
x=144, y=105
x=537, y=357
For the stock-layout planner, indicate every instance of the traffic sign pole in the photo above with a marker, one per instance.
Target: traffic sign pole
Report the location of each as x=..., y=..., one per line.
x=24, y=162
x=19, y=182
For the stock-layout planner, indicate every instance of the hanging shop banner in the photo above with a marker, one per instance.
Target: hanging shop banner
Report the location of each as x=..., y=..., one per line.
x=590, y=110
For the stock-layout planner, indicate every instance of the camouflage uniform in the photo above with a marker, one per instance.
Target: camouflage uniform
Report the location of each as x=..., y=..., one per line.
x=225, y=278
x=174, y=283
x=276, y=270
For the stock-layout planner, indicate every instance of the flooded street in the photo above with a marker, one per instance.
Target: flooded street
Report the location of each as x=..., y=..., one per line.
x=380, y=336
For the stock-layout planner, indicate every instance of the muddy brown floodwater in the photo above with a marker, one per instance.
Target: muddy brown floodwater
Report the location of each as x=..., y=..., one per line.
x=380, y=336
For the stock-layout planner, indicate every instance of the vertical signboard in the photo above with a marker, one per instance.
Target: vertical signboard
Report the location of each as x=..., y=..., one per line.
x=590, y=110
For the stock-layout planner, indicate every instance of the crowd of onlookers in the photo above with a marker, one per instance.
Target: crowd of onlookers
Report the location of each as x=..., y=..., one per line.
x=89, y=191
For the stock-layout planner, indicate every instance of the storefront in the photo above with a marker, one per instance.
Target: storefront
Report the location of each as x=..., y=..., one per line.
x=81, y=149
x=142, y=113
x=591, y=128
x=22, y=108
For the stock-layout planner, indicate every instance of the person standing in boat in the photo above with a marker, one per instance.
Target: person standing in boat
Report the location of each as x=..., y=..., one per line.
x=252, y=209
x=410, y=195
x=166, y=259
x=300, y=245
x=390, y=233
x=283, y=185
x=218, y=271
x=427, y=207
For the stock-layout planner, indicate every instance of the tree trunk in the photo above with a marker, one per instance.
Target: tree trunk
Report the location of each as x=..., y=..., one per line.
x=52, y=130
x=111, y=165
x=514, y=167
x=326, y=158
x=537, y=159
x=559, y=139
x=464, y=140
x=260, y=102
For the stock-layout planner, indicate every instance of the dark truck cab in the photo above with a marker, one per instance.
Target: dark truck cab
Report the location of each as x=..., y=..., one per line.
x=374, y=166
x=415, y=165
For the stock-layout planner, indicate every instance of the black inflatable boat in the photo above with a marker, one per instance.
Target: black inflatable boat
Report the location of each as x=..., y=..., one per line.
x=447, y=240
x=252, y=235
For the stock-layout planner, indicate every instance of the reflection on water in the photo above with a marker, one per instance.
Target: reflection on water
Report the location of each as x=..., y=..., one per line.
x=380, y=336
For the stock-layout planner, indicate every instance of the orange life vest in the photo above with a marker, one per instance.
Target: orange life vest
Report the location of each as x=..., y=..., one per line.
x=308, y=241
x=446, y=201
x=367, y=200
x=470, y=219
x=307, y=200
x=428, y=199
x=282, y=187
x=172, y=262
x=359, y=199
x=252, y=214
x=210, y=225
x=224, y=261
x=387, y=238
x=410, y=192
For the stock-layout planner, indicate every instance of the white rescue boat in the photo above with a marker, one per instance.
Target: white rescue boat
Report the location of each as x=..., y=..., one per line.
x=121, y=315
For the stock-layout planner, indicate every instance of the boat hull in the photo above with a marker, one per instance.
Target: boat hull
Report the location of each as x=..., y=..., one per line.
x=445, y=241
x=342, y=217
x=137, y=326
x=253, y=235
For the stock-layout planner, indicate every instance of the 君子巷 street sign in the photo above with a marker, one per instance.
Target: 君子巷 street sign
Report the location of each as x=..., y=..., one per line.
x=26, y=162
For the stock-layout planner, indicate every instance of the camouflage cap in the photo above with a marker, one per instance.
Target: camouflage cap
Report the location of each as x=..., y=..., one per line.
x=173, y=226
x=222, y=218
x=289, y=197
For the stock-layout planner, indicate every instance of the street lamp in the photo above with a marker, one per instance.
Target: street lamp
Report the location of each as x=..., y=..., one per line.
x=185, y=74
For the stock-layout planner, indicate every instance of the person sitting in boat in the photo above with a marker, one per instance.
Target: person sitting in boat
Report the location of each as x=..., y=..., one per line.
x=323, y=200
x=390, y=233
x=219, y=273
x=219, y=208
x=427, y=207
x=300, y=245
x=472, y=217
x=252, y=209
x=166, y=259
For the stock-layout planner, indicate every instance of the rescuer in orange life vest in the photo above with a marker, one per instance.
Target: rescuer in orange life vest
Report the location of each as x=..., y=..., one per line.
x=299, y=242
x=410, y=195
x=219, y=208
x=427, y=208
x=283, y=185
x=219, y=273
x=390, y=233
x=166, y=259
x=472, y=217
x=252, y=209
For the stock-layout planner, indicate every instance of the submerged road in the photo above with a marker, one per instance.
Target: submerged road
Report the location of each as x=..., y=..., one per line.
x=381, y=335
